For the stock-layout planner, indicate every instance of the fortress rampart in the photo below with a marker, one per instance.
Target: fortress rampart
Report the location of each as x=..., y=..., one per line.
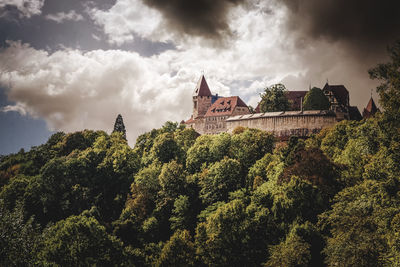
x=285, y=124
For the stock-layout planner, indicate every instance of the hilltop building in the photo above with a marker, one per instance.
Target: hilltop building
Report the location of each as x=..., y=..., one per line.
x=211, y=111
x=214, y=114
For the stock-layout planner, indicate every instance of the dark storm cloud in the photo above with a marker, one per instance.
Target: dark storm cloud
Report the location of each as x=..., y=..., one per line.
x=366, y=25
x=207, y=18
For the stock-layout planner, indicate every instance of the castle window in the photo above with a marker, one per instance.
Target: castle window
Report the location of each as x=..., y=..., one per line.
x=195, y=104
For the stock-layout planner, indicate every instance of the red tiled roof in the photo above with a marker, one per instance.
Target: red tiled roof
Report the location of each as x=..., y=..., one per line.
x=189, y=121
x=225, y=106
x=202, y=88
x=339, y=91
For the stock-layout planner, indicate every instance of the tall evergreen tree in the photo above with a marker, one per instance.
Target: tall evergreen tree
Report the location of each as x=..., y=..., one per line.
x=119, y=126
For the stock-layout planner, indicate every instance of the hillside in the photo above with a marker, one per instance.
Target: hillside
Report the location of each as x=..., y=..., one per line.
x=179, y=199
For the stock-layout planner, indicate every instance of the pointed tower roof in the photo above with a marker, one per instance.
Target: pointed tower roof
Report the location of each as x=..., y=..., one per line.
x=202, y=88
x=370, y=109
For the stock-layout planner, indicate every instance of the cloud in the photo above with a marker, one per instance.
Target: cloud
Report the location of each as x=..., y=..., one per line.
x=162, y=21
x=366, y=27
x=26, y=8
x=128, y=18
x=60, y=17
x=73, y=90
x=16, y=108
x=206, y=18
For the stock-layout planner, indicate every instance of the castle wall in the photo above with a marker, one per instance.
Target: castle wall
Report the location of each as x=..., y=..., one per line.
x=284, y=125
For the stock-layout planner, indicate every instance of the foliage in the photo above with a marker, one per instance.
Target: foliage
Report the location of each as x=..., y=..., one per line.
x=389, y=89
x=119, y=126
x=19, y=239
x=78, y=241
x=216, y=183
x=178, y=251
x=274, y=99
x=315, y=99
x=176, y=198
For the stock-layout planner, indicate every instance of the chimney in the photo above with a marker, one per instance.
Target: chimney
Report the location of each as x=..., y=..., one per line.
x=301, y=104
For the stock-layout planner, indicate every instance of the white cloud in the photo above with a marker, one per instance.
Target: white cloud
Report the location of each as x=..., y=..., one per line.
x=62, y=16
x=16, y=108
x=27, y=8
x=73, y=90
x=128, y=18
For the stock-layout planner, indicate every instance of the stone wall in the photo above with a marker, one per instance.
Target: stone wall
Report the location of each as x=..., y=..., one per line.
x=285, y=124
x=217, y=124
x=202, y=105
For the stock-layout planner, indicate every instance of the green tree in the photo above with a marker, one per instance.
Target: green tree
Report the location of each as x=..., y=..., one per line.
x=223, y=177
x=359, y=224
x=234, y=235
x=182, y=215
x=179, y=250
x=80, y=241
x=119, y=126
x=18, y=238
x=301, y=247
x=165, y=148
x=274, y=99
x=250, y=146
x=315, y=99
x=389, y=89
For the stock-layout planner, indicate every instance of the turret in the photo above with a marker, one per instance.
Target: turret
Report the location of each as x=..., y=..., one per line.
x=202, y=98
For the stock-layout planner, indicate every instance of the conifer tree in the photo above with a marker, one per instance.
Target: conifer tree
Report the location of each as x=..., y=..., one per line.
x=119, y=126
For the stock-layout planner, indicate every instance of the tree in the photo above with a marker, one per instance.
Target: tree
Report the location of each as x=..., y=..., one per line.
x=178, y=250
x=315, y=99
x=18, y=239
x=274, y=99
x=222, y=177
x=250, y=146
x=165, y=148
x=302, y=247
x=389, y=89
x=119, y=126
x=359, y=224
x=80, y=241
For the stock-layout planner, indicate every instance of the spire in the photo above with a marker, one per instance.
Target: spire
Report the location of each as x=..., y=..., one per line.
x=119, y=126
x=370, y=109
x=202, y=88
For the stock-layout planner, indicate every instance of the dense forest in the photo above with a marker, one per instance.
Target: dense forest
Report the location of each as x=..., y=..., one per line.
x=180, y=199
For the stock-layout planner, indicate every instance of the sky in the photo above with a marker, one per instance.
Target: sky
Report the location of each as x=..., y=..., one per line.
x=77, y=64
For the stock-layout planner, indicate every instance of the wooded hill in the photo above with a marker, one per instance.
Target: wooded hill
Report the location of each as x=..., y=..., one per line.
x=179, y=199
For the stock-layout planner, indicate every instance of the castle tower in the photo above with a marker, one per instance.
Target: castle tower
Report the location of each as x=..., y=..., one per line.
x=201, y=98
x=370, y=109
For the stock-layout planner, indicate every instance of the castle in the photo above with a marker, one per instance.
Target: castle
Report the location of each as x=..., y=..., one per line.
x=213, y=114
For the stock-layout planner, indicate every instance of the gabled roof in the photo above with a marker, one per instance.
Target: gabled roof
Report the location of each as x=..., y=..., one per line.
x=354, y=113
x=225, y=106
x=296, y=97
x=370, y=109
x=202, y=88
x=339, y=91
